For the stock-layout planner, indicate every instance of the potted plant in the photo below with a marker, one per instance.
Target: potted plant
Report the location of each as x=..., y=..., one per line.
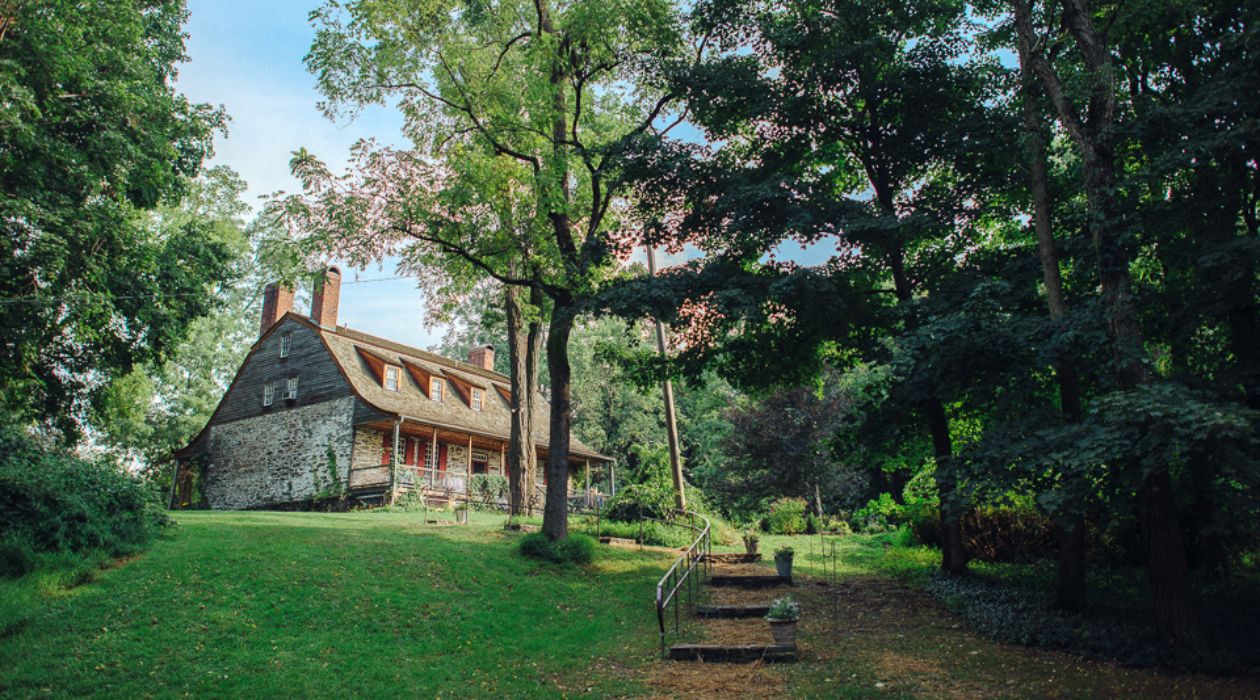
x=751, y=538
x=783, y=614
x=461, y=513
x=783, y=561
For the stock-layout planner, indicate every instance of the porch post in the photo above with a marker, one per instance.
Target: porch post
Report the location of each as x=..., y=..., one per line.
x=393, y=464
x=588, y=483
x=433, y=465
x=170, y=505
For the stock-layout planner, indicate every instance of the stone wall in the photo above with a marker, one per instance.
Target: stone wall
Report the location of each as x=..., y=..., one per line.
x=280, y=457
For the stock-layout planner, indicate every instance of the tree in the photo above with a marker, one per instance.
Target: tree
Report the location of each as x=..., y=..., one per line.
x=159, y=406
x=1090, y=121
x=855, y=121
x=784, y=444
x=92, y=135
x=531, y=102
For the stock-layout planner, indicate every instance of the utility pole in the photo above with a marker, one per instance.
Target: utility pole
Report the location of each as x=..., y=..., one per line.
x=671, y=422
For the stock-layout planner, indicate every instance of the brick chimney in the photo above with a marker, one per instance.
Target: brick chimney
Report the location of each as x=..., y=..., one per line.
x=327, y=296
x=482, y=356
x=277, y=301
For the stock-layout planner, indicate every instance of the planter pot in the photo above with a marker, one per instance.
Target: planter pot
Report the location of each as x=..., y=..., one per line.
x=784, y=632
x=461, y=516
x=784, y=565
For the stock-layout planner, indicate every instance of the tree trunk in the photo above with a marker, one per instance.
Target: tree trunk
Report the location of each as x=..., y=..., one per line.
x=953, y=553
x=520, y=443
x=555, y=513
x=1070, y=588
x=1175, y=612
x=534, y=351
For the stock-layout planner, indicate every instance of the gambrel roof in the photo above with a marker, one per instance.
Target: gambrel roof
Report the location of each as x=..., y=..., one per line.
x=361, y=358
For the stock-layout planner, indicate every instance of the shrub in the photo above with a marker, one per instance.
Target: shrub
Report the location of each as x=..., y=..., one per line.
x=574, y=549
x=652, y=532
x=52, y=501
x=787, y=516
x=633, y=500
x=784, y=553
x=993, y=533
x=16, y=559
x=488, y=487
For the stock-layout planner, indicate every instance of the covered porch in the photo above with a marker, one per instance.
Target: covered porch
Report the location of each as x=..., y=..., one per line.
x=393, y=457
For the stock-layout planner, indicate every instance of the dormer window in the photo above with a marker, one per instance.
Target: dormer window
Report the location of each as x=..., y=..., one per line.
x=291, y=393
x=475, y=400
x=269, y=394
x=286, y=344
x=392, y=375
x=435, y=389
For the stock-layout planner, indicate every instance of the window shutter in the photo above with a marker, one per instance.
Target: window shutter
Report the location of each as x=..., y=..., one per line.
x=386, y=448
x=442, y=458
x=409, y=455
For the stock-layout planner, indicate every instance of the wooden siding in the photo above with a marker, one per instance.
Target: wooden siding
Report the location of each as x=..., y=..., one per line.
x=319, y=378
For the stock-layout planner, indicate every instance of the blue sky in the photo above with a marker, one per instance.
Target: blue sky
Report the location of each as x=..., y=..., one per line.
x=247, y=56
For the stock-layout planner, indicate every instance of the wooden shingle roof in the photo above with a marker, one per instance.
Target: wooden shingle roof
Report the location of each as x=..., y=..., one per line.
x=355, y=352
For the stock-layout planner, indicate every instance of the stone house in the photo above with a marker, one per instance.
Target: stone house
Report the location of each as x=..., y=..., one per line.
x=319, y=410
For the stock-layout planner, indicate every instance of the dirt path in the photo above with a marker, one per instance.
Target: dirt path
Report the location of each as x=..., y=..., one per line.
x=870, y=637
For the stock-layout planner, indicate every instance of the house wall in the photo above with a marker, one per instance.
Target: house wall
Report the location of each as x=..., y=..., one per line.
x=280, y=457
x=319, y=379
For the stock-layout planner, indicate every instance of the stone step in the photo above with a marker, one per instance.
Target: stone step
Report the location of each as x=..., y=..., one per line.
x=737, y=653
x=732, y=611
x=617, y=541
x=736, y=581
x=727, y=558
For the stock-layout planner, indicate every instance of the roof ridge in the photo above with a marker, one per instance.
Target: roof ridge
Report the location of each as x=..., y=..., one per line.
x=356, y=335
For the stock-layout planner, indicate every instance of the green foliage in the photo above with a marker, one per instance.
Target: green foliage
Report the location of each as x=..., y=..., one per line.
x=640, y=500
x=784, y=552
x=93, y=136
x=16, y=558
x=488, y=487
x=52, y=501
x=648, y=533
x=574, y=549
x=157, y=408
x=787, y=516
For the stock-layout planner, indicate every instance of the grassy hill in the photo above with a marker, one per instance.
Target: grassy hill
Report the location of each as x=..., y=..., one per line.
x=303, y=604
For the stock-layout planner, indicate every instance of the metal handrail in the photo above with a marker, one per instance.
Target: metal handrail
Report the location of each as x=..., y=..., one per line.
x=695, y=556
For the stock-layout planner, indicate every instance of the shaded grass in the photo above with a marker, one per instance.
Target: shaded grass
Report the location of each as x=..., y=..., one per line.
x=314, y=605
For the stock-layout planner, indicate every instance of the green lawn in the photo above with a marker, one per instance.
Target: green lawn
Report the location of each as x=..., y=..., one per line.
x=375, y=604
x=318, y=605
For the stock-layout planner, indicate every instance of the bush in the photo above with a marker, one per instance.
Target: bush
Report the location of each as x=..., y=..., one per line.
x=992, y=533
x=52, y=501
x=633, y=500
x=574, y=549
x=16, y=559
x=787, y=516
x=488, y=487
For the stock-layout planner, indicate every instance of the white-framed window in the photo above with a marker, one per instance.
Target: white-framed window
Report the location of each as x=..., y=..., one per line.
x=435, y=388
x=292, y=387
x=429, y=455
x=476, y=399
x=392, y=376
x=269, y=393
x=286, y=344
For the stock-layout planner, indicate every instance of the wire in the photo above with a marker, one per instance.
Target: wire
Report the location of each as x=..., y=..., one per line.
x=89, y=295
